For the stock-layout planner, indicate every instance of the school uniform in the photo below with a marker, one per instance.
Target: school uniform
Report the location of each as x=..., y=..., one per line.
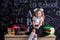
x=39, y=31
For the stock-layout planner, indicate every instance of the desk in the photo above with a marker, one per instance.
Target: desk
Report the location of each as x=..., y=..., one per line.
x=25, y=37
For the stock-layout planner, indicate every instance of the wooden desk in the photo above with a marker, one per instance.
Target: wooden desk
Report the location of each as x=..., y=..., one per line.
x=25, y=37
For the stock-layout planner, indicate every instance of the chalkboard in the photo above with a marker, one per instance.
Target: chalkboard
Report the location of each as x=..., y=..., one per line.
x=20, y=11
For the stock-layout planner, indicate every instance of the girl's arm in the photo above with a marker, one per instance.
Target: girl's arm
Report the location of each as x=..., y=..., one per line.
x=33, y=24
x=40, y=23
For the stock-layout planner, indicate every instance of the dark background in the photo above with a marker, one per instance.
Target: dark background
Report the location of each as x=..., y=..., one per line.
x=16, y=11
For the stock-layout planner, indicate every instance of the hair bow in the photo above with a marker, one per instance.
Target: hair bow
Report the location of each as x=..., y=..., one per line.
x=41, y=9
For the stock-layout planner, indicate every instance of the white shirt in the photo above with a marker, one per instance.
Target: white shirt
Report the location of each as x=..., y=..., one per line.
x=36, y=20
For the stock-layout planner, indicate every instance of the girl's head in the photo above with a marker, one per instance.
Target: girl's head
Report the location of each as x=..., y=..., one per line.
x=39, y=13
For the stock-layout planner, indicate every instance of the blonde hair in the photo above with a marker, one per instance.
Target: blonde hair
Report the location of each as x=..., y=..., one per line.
x=42, y=12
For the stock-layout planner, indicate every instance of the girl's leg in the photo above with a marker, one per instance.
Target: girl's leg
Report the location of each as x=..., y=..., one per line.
x=32, y=35
x=35, y=37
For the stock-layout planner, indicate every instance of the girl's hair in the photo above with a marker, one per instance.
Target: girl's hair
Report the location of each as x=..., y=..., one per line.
x=42, y=12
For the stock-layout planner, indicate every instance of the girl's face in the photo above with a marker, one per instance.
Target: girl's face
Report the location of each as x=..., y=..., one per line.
x=38, y=14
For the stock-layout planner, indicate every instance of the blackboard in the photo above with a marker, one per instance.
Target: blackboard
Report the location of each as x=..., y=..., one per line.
x=20, y=11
